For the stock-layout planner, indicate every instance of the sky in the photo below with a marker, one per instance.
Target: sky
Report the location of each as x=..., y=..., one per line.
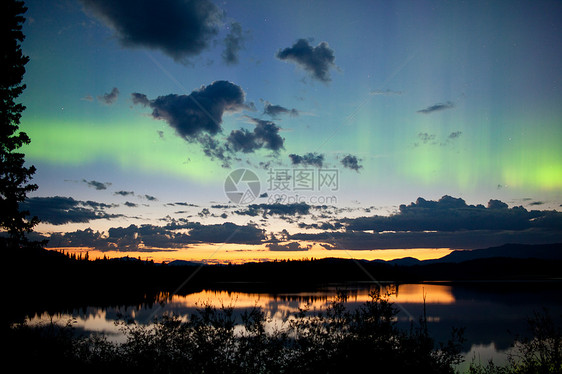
x=252, y=130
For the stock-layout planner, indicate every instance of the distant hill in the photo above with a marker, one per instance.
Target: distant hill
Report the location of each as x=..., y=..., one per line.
x=519, y=251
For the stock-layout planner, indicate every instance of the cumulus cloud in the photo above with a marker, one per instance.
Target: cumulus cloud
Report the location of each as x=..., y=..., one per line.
x=111, y=97
x=308, y=159
x=199, y=112
x=179, y=28
x=446, y=223
x=351, y=162
x=453, y=214
x=197, y=118
x=317, y=61
x=60, y=210
x=437, y=107
x=265, y=135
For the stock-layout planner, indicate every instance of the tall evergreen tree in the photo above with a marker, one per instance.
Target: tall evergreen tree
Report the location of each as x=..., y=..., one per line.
x=14, y=175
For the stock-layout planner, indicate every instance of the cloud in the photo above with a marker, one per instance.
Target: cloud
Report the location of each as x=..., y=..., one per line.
x=97, y=185
x=308, y=159
x=139, y=98
x=149, y=238
x=446, y=223
x=315, y=60
x=179, y=28
x=233, y=42
x=437, y=107
x=291, y=246
x=60, y=210
x=124, y=193
x=275, y=110
x=351, y=162
x=454, y=135
x=149, y=198
x=87, y=98
x=425, y=138
x=275, y=209
x=111, y=97
x=465, y=239
x=227, y=232
x=453, y=214
x=198, y=113
x=197, y=118
x=130, y=205
x=265, y=135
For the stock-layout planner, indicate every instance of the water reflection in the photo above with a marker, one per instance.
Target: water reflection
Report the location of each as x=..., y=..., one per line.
x=492, y=313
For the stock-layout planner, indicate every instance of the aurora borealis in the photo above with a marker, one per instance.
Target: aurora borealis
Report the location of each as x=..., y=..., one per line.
x=159, y=101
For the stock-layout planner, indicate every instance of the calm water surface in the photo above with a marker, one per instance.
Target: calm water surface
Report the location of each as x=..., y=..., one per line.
x=492, y=313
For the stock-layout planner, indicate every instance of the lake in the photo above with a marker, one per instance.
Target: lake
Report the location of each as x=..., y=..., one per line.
x=492, y=313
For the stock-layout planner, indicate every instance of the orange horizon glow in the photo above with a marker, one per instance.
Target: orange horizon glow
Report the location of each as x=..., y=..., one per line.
x=243, y=253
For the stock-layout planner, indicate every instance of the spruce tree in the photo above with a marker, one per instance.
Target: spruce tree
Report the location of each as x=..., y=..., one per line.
x=14, y=175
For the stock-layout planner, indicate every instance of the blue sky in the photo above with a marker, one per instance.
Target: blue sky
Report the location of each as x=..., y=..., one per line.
x=404, y=99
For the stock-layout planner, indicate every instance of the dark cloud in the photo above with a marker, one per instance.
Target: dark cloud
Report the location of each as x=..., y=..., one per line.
x=59, y=210
x=130, y=205
x=308, y=159
x=275, y=110
x=111, y=97
x=316, y=60
x=97, y=185
x=124, y=193
x=233, y=43
x=139, y=98
x=149, y=198
x=452, y=214
x=197, y=117
x=291, y=246
x=351, y=162
x=179, y=28
x=464, y=239
x=446, y=223
x=437, y=107
x=275, y=209
x=265, y=135
x=199, y=112
x=227, y=232
x=150, y=238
